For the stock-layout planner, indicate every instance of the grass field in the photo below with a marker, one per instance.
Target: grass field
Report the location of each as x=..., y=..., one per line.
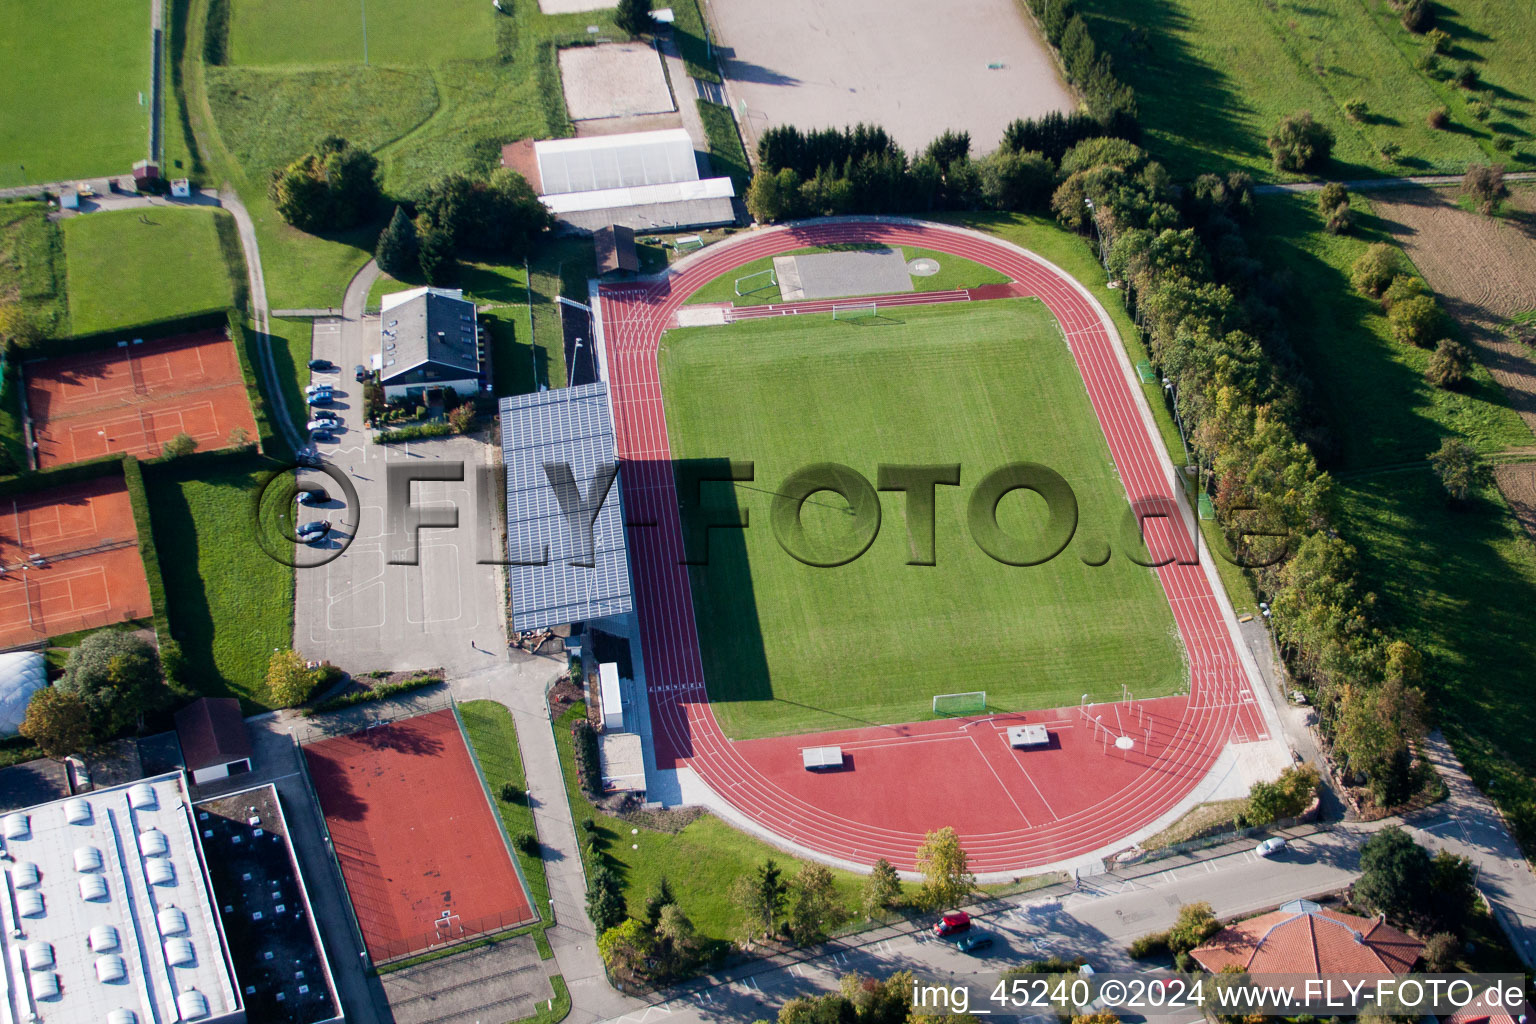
x=75, y=84
x=1213, y=77
x=131, y=266
x=230, y=604
x=1372, y=388
x=270, y=32
x=32, y=264
x=493, y=741
x=954, y=272
x=983, y=384
x=290, y=342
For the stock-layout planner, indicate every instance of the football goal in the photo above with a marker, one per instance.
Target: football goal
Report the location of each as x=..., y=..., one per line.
x=853, y=310
x=973, y=703
x=772, y=282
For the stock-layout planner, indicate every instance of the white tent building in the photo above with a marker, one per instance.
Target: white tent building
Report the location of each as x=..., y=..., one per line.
x=22, y=673
x=648, y=181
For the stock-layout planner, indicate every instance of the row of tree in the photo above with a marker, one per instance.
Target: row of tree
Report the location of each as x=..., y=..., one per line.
x=1109, y=100
x=1208, y=311
x=112, y=682
x=335, y=187
x=861, y=169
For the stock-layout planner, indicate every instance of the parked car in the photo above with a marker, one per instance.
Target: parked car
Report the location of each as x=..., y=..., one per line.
x=975, y=942
x=311, y=532
x=321, y=365
x=307, y=456
x=313, y=496
x=322, y=434
x=361, y=373
x=328, y=415
x=319, y=423
x=952, y=923
x=1270, y=846
x=322, y=397
x=310, y=389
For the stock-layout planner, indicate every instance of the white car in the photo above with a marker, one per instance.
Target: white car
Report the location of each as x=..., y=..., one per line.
x=321, y=423
x=1270, y=846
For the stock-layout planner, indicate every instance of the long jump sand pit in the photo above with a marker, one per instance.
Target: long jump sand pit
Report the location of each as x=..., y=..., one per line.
x=613, y=80
x=916, y=68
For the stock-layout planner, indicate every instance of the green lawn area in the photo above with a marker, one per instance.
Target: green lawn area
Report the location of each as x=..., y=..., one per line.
x=954, y=272
x=726, y=155
x=32, y=263
x=1373, y=389
x=981, y=384
x=74, y=85
x=493, y=740
x=699, y=862
x=132, y=266
x=1213, y=77
x=276, y=32
x=229, y=603
x=290, y=344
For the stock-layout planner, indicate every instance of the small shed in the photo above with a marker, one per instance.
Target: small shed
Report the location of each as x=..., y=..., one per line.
x=214, y=743
x=69, y=199
x=612, y=696
x=146, y=176
x=1025, y=736
x=614, y=246
x=181, y=188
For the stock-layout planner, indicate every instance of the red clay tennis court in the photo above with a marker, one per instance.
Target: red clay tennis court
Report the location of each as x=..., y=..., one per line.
x=425, y=861
x=134, y=398
x=69, y=560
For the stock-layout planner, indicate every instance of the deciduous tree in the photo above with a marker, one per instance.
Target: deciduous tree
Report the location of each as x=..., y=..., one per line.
x=58, y=721
x=1394, y=874
x=1457, y=465
x=117, y=675
x=1300, y=143
x=815, y=909
x=882, y=889
x=947, y=879
x=289, y=680
x=1485, y=185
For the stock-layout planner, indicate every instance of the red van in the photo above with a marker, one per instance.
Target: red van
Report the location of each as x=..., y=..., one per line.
x=953, y=923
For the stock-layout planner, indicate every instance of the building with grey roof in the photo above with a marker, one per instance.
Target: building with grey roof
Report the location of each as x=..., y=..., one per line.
x=428, y=340
x=108, y=917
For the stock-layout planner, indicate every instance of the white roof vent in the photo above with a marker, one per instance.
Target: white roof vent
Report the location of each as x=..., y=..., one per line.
x=17, y=826
x=154, y=843
x=122, y=1017
x=179, y=953
x=25, y=874
x=93, y=888
x=77, y=811
x=110, y=968
x=45, y=985
x=39, y=956
x=172, y=921
x=142, y=797
x=87, y=858
x=192, y=1005
x=160, y=872
x=29, y=903
x=103, y=938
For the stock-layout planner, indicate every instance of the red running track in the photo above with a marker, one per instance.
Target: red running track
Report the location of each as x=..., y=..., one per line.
x=1013, y=810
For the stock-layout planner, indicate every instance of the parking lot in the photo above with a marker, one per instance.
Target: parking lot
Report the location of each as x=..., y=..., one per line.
x=360, y=611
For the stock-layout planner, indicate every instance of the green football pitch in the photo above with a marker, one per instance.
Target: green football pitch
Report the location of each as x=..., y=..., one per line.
x=791, y=648
x=74, y=89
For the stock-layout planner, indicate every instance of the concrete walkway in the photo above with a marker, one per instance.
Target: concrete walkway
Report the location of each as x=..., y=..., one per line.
x=1470, y=825
x=520, y=686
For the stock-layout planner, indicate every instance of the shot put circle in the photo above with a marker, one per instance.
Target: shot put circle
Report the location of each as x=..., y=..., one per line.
x=922, y=267
x=289, y=550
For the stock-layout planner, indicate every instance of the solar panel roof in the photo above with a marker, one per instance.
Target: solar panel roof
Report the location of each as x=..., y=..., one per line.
x=544, y=436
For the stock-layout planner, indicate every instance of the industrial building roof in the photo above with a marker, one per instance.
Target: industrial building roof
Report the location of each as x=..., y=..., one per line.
x=112, y=911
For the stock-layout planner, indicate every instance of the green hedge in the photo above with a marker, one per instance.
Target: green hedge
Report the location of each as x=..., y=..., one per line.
x=420, y=433
x=138, y=498
x=271, y=441
x=726, y=154
x=185, y=323
x=13, y=442
x=384, y=692
x=36, y=480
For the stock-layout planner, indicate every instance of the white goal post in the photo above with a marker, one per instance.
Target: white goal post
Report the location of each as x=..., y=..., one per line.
x=972, y=703
x=853, y=310
x=773, y=280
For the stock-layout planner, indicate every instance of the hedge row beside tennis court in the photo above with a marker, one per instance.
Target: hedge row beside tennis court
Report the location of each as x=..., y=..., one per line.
x=151, y=330
x=138, y=499
x=28, y=481
x=271, y=441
